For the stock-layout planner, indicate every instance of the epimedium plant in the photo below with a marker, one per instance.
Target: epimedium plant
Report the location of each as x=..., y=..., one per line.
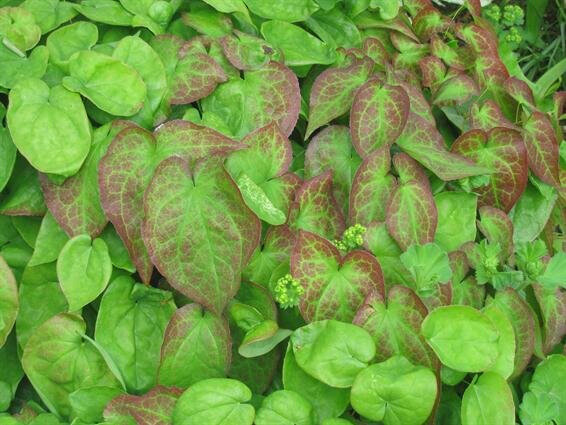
x=304, y=212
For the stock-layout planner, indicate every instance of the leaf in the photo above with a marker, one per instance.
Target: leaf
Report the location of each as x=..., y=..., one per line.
x=423, y=142
x=289, y=11
x=463, y=338
x=552, y=305
x=553, y=275
x=429, y=267
x=335, y=27
x=371, y=188
x=333, y=91
x=496, y=226
x=136, y=315
x=128, y=166
x=331, y=149
x=75, y=204
x=298, y=46
x=315, y=209
x=9, y=302
x=153, y=408
x=8, y=153
x=16, y=68
x=327, y=402
x=335, y=286
x=84, y=270
x=504, y=364
x=49, y=126
x=394, y=324
x=215, y=401
x=19, y=27
x=59, y=342
x=488, y=401
x=542, y=147
x=196, y=346
x=333, y=352
x=456, y=219
x=378, y=115
x=411, y=214
x=108, y=12
x=503, y=151
x=68, y=40
x=284, y=407
x=182, y=196
x=395, y=392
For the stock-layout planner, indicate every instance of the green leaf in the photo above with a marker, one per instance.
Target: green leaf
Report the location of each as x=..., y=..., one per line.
x=335, y=285
x=196, y=346
x=552, y=305
x=110, y=84
x=333, y=352
x=335, y=27
x=108, y=12
x=246, y=52
x=56, y=343
x=215, y=402
x=138, y=316
x=18, y=26
x=555, y=273
x=505, y=362
x=49, y=243
x=394, y=324
x=542, y=147
x=8, y=153
x=395, y=392
x=429, y=266
x=462, y=337
x=9, y=303
x=16, y=68
x=68, y=40
x=496, y=226
x=289, y=11
x=50, y=14
x=184, y=196
x=456, y=219
x=49, y=126
x=84, y=270
x=327, y=402
x=298, y=46
x=88, y=403
x=285, y=407
x=488, y=401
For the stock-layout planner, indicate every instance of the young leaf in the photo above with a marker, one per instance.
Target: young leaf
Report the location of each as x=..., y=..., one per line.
x=428, y=265
x=190, y=200
x=335, y=286
x=504, y=364
x=456, y=219
x=496, y=226
x=488, y=401
x=284, y=407
x=9, y=301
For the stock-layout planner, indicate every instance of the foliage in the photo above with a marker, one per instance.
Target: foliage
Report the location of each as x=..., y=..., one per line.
x=295, y=212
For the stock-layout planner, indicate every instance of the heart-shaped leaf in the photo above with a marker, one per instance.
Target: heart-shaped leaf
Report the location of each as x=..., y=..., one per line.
x=542, y=147
x=9, y=301
x=497, y=227
x=335, y=286
x=182, y=205
x=553, y=309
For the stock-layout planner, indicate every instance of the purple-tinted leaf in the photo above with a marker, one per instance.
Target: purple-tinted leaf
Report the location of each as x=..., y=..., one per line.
x=246, y=52
x=441, y=296
x=415, y=6
x=395, y=324
x=523, y=321
x=281, y=191
x=423, y=142
x=520, y=91
x=153, y=408
x=497, y=227
x=191, y=73
x=22, y=194
x=451, y=56
x=333, y=91
x=198, y=231
x=487, y=116
x=433, y=71
x=371, y=189
x=542, y=147
x=378, y=116
x=315, y=209
x=126, y=169
x=503, y=151
x=75, y=204
x=375, y=50
x=468, y=292
x=456, y=90
x=428, y=22
x=419, y=104
x=196, y=346
x=553, y=310
x=335, y=286
x=411, y=214
x=408, y=169
x=331, y=149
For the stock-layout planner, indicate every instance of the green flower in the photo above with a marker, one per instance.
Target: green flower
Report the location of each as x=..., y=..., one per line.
x=513, y=15
x=288, y=291
x=493, y=13
x=513, y=36
x=352, y=238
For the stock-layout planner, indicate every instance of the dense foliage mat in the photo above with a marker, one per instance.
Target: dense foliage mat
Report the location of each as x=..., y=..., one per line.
x=236, y=212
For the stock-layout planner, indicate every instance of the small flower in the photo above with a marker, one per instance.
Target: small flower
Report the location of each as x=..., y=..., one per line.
x=288, y=291
x=513, y=15
x=493, y=13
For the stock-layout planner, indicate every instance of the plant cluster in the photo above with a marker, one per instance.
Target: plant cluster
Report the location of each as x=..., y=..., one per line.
x=314, y=212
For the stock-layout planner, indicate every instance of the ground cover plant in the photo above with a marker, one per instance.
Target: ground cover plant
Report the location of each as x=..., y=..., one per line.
x=236, y=212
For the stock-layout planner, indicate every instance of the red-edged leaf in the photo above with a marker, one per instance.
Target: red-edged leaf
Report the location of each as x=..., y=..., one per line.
x=503, y=151
x=467, y=292
x=408, y=169
x=315, y=209
x=474, y=6
x=126, y=169
x=198, y=230
x=415, y=6
x=487, y=116
x=75, y=204
x=395, y=325
x=331, y=149
x=419, y=104
x=246, y=52
x=333, y=91
x=378, y=116
x=153, y=408
x=432, y=70
x=371, y=189
x=281, y=191
x=428, y=22
x=553, y=309
x=375, y=50
x=411, y=214
x=196, y=346
x=441, y=296
x=456, y=90
x=524, y=323
x=520, y=91
x=335, y=286
x=497, y=227
x=454, y=58
x=542, y=147
x=22, y=194
x=423, y=142
x=380, y=243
